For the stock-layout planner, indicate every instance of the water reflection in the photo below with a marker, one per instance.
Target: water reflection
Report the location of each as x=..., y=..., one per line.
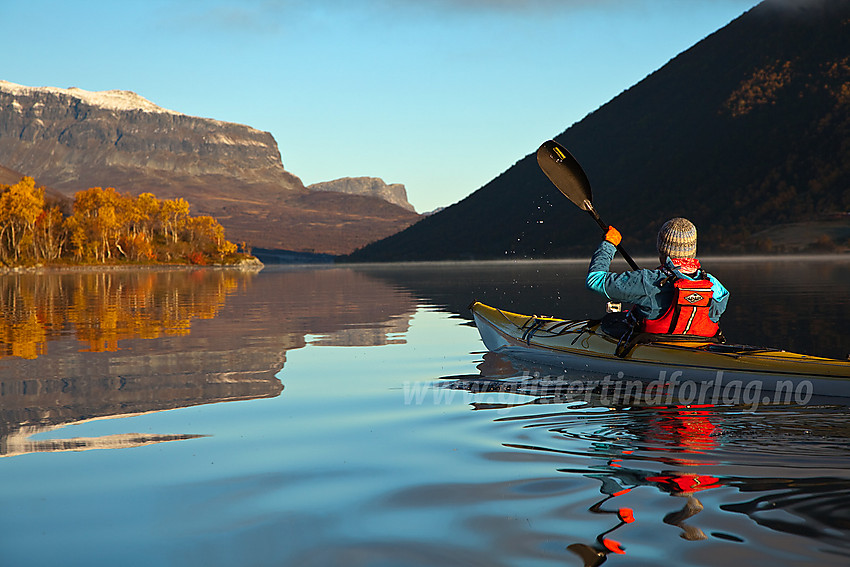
x=20, y=442
x=675, y=431
x=679, y=485
x=345, y=466
x=687, y=453
x=99, y=345
x=101, y=308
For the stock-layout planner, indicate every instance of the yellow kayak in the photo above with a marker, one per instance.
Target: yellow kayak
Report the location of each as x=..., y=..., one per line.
x=581, y=345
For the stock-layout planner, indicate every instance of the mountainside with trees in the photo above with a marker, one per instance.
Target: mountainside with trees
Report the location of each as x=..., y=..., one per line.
x=747, y=134
x=72, y=140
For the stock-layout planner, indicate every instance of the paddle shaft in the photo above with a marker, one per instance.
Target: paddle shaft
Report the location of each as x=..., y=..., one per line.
x=592, y=212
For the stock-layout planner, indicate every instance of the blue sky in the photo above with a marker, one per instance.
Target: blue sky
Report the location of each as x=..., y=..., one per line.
x=441, y=95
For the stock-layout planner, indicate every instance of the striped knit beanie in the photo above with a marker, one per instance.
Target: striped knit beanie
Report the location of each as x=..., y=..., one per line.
x=678, y=239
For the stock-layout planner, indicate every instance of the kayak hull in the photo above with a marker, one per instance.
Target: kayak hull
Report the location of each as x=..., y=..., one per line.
x=581, y=346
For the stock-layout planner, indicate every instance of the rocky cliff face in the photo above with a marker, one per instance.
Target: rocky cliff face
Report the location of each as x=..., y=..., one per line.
x=65, y=134
x=71, y=139
x=369, y=187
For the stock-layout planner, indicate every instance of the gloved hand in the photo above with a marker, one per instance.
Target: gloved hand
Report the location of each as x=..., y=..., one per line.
x=613, y=236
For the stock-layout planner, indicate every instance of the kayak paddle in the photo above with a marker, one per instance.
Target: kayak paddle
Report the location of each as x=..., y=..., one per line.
x=564, y=171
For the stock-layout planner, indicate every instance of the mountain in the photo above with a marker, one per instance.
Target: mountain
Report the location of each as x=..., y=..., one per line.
x=395, y=193
x=745, y=133
x=10, y=177
x=72, y=139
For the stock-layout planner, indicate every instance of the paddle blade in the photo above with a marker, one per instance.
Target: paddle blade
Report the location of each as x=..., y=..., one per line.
x=564, y=171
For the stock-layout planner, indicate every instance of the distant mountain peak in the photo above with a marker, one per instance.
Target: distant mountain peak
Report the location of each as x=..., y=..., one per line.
x=394, y=193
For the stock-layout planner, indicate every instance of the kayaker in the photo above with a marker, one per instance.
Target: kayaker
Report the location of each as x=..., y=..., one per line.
x=653, y=292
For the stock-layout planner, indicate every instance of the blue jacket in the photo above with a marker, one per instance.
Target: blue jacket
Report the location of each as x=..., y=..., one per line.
x=643, y=287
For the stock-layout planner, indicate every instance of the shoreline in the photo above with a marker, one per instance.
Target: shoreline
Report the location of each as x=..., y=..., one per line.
x=246, y=265
x=255, y=265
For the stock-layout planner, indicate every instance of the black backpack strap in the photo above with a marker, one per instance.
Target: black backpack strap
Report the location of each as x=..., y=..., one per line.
x=625, y=347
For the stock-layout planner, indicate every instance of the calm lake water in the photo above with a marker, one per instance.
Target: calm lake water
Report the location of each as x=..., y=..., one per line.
x=346, y=416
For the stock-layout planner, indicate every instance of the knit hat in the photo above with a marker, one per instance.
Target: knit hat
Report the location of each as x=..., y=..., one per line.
x=678, y=239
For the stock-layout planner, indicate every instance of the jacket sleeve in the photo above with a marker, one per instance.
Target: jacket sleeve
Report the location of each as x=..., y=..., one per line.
x=628, y=286
x=599, y=265
x=719, y=299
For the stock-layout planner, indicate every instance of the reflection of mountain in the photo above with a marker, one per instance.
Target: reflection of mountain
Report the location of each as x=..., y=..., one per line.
x=814, y=507
x=337, y=306
x=369, y=336
x=99, y=345
x=67, y=335
x=20, y=442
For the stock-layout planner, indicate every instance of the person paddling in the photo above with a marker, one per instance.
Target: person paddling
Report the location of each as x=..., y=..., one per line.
x=677, y=297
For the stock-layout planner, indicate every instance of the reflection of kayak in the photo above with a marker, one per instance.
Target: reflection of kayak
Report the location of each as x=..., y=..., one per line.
x=581, y=345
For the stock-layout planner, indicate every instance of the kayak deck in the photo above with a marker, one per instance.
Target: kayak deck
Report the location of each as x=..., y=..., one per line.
x=581, y=345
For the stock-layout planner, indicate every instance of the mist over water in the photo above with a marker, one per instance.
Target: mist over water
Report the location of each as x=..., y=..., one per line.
x=348, y=415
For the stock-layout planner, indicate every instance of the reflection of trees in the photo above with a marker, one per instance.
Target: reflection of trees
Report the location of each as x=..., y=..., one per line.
x=102, y=308
x=235, y=350
x=43, y=391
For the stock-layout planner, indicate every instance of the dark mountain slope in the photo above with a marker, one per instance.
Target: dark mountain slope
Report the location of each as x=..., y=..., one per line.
x=748, y=129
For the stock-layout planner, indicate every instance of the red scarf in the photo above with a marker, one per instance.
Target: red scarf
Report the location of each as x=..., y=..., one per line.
x=686, y=265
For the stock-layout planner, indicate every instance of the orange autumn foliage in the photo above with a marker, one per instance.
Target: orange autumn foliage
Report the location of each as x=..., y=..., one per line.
x=105, y=227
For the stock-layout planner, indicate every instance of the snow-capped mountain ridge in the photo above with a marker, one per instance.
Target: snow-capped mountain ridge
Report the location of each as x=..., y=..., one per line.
x=112, y=99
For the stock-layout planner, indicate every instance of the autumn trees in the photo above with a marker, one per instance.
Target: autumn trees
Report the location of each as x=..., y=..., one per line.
x=105, y=226
x=20, y=206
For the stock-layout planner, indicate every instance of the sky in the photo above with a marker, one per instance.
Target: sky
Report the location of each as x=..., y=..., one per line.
x=440, y=95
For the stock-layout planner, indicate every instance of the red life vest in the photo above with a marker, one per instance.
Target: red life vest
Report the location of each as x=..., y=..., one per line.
x=688, y=314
